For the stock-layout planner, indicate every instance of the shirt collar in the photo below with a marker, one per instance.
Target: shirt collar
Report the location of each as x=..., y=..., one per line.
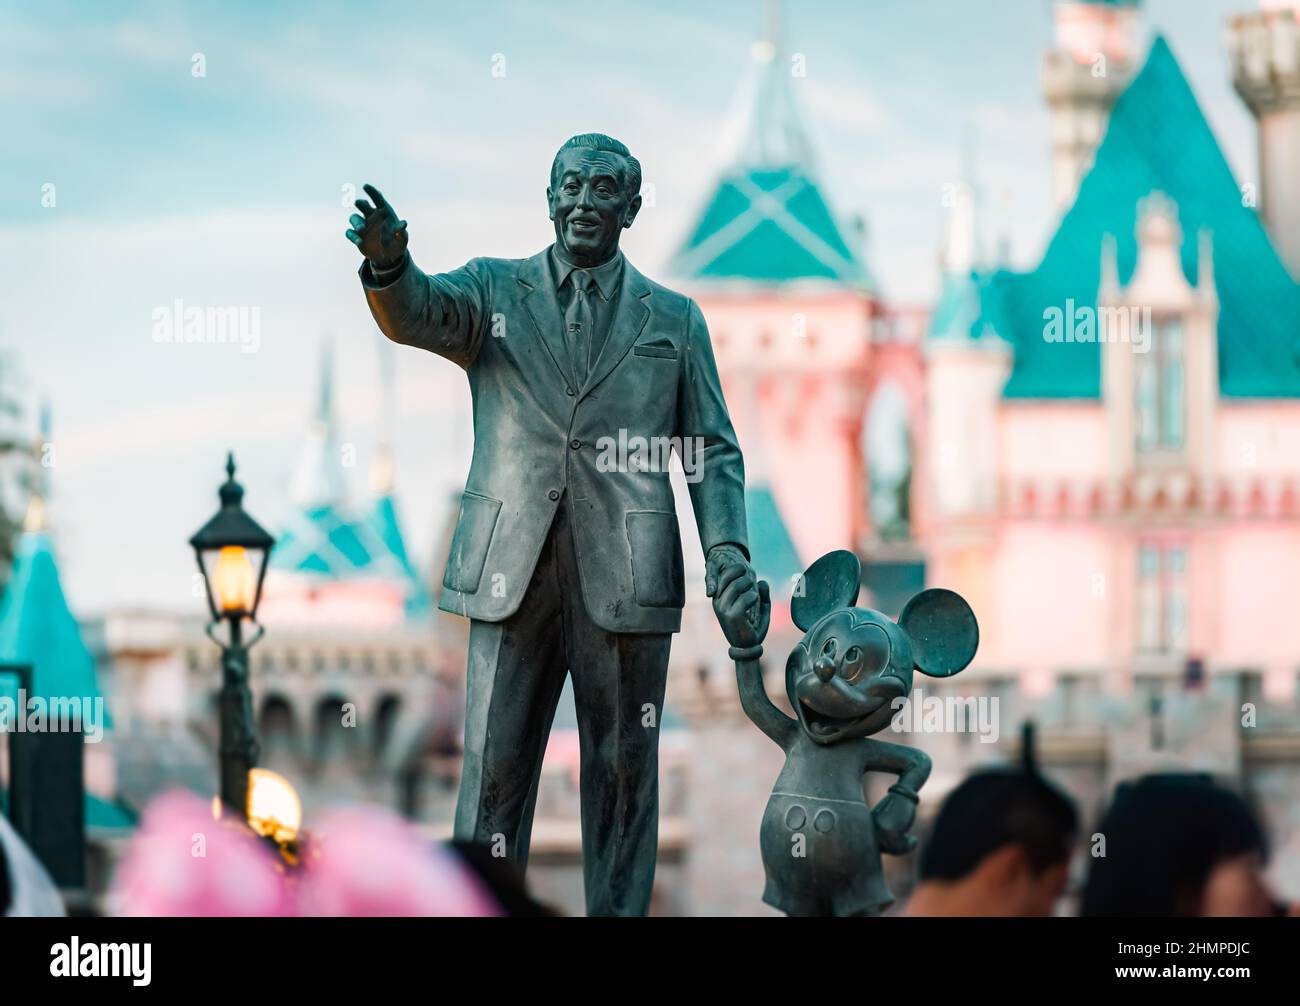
x=606, y=277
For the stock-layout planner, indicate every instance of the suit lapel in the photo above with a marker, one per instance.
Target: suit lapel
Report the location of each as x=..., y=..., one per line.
x=629, y=319
x=543, y=308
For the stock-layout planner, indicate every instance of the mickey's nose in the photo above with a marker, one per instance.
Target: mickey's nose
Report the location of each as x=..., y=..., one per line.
x=825, y=668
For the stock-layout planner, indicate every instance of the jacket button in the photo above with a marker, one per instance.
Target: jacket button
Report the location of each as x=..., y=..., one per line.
x=554, y=494
x=570, y=392
x=575, y=444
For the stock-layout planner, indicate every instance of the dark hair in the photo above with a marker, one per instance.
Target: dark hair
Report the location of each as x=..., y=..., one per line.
x=994, y=808
x=1164, y=834
x=599, y=141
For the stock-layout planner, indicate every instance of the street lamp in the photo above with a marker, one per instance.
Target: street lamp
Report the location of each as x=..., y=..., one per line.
x=232, y=549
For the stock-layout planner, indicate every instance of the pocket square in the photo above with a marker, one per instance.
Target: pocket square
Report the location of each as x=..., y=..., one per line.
x=662, y=349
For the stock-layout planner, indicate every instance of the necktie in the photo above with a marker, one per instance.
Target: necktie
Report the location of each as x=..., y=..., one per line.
x=578, y=324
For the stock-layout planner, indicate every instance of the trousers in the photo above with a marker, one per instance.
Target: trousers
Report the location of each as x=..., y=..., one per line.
x=516, y=671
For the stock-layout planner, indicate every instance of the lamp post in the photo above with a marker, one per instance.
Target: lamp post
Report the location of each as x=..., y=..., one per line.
x=232, y=549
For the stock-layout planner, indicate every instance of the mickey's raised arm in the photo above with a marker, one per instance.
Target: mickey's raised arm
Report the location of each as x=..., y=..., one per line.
x=745, y=625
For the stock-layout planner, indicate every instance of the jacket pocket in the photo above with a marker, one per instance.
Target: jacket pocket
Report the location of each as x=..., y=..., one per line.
x=657, y=577
x=658, y=350
x=469, y=545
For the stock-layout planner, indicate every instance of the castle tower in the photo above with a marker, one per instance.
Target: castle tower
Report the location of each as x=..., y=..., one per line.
x=39, y=630
x=788, y=303
x=966, y=367
x=1082, y=76
x=334, y=563
x=1264, y=47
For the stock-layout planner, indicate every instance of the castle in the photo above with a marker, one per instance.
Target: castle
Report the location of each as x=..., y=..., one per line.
x=1101, y=453
x=1102, y=450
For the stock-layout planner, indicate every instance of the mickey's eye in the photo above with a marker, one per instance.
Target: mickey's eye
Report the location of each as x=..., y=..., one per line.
x=852, y=668
x=829, y=649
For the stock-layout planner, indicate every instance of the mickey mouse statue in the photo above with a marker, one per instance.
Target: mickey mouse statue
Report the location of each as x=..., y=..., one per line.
x=820, y=840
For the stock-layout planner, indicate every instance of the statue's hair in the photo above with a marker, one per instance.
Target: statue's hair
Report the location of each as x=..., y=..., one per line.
x=599, y=141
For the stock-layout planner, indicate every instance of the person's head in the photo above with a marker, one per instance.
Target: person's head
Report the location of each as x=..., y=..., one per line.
x=1180, y=845
x=594, y=193
x=1006, y=835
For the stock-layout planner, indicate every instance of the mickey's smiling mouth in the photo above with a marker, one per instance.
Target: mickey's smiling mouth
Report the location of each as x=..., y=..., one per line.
x=819, y=724
x=823, y=724
x=829, y=710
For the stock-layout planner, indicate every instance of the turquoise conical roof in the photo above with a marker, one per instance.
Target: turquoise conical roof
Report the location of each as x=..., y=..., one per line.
x=38, y=629
x=331, y=543
x=387, y=529
x=327, y=538
x=768, y=221
x=768, y=225
x=1157, y=140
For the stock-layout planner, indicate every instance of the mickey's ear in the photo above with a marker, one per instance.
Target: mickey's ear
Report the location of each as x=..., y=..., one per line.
x=943, y=632
x=829, y=583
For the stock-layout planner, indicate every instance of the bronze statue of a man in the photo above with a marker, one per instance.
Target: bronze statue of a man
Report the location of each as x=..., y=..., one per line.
x=564, y=562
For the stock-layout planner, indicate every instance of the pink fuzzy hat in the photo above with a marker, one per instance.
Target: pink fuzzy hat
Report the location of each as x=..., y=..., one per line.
x=183, y=863
x=367, y=861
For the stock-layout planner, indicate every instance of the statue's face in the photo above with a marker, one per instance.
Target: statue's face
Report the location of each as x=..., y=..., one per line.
x=590, y=204
x=845, y=674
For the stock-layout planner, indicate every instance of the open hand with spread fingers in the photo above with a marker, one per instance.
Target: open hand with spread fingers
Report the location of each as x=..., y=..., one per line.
x=377, y=231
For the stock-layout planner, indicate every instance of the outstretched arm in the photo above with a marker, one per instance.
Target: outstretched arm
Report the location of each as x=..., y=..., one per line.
x=445, y=314
x=745, y=622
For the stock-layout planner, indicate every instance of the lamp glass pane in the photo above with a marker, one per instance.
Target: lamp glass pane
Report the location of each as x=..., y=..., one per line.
x=232, y=578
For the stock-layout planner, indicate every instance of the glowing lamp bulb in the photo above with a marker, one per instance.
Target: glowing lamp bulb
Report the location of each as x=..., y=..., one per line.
x=233, y=580
x=273, y=806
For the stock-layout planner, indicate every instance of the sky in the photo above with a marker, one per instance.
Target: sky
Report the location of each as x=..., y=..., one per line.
x=208, y=153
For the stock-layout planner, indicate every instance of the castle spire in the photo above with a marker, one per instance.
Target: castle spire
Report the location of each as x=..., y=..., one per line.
x=318, y=479
x=776, y=135
x=37, y=517
x=382, y=473
x=768, y=222
x=961, y=251
x=325, y=403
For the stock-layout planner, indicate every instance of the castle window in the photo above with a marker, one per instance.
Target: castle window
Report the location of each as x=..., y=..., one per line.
x=1250, y=685
x=1161, y=405
x=1162, y=598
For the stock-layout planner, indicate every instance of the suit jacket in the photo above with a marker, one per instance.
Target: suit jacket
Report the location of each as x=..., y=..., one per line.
x=540, y=438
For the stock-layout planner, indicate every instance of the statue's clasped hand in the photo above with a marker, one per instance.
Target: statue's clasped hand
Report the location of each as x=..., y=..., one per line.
x=741, y=602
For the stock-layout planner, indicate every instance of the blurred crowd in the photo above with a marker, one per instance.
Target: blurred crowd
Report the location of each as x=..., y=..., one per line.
x=1002, y=844
x=1176, y=844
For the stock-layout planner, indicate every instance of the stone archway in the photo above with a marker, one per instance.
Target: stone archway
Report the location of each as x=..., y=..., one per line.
x=279, y=732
